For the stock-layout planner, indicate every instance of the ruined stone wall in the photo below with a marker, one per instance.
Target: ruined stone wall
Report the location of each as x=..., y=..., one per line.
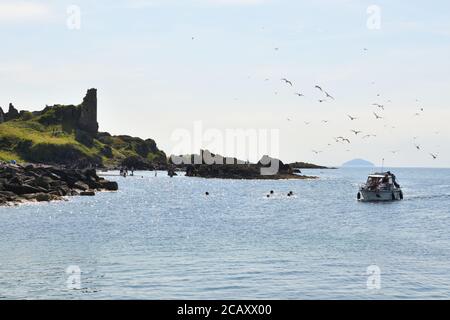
x=2, y=115
x=88, y=115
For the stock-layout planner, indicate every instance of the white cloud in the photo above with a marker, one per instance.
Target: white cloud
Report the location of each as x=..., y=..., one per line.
x=18, y=11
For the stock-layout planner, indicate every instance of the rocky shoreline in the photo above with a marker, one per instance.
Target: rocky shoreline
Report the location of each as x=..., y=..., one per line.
x=43, y=183
x=266, y=169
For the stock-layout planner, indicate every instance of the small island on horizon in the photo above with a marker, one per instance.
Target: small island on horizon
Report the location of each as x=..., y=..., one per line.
x=358, y=163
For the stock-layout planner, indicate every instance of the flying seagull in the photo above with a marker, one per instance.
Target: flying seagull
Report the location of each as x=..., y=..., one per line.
x=417, y=146
x=316, y=152
x=299, y=94
x=377, y=116
x=356, y=132
x=369, y=135
x=343, y=139
x=351, y=118
x=287, y=81
x=433, y=156
x=328, y=95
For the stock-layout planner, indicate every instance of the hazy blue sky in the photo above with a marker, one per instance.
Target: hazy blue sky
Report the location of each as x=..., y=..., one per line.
x=153, y=78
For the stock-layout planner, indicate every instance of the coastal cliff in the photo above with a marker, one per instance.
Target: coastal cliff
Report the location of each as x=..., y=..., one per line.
x=68, y=135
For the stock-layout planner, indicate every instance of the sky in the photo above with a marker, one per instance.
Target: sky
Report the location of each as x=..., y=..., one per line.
x=187, y=72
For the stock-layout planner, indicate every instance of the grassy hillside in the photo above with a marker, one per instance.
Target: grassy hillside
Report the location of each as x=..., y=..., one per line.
x=44, y=138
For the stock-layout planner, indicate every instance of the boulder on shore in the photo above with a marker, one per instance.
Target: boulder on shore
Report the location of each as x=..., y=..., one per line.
x=19, y=183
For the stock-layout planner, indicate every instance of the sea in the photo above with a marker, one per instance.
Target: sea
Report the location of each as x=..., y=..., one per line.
x=164, y=238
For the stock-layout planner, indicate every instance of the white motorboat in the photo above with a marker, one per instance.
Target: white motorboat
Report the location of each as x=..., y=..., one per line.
x=380, y=187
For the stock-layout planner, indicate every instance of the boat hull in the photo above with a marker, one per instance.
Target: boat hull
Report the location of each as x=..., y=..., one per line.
x=382, y=195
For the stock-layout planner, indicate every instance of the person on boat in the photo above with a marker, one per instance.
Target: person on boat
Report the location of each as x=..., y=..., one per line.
x=373, y=183
x=394, y=179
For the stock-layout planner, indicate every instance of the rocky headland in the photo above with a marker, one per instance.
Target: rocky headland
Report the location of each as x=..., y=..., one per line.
x=39, y=183
x=69, y=135
x=209, y=165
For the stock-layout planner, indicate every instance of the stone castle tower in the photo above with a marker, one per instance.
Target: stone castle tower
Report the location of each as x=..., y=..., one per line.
x=83, y=117
x=88, y=115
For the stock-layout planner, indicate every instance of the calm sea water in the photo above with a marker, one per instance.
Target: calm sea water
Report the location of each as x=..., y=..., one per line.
x=162, y=238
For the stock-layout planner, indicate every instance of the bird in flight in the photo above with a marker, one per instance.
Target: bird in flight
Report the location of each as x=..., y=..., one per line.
x=351, y=118
x=377, y=116
x=321, y=100
x=318, y=87
x=325, y=121
x=356, y=132
x=299, y=94
x=433, y=156
x=369, y=135
x=417, y=146
x=343, y=139
x=316, y=152
x=287, y=81
x=328, y=95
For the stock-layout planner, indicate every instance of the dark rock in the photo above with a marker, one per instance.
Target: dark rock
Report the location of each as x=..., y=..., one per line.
x=44, y=197
x=231, y=168
x=138, y=163
x=47, y=183
x=89, y=193
x=108, y=185
x=23, y=189
x=8, y=195
x=81, y=186
x=12, y=113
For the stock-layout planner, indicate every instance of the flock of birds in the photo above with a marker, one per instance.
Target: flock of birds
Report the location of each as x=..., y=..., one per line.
x=377, y=114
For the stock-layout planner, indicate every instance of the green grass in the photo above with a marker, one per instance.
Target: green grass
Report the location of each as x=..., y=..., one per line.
x=30, y=140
